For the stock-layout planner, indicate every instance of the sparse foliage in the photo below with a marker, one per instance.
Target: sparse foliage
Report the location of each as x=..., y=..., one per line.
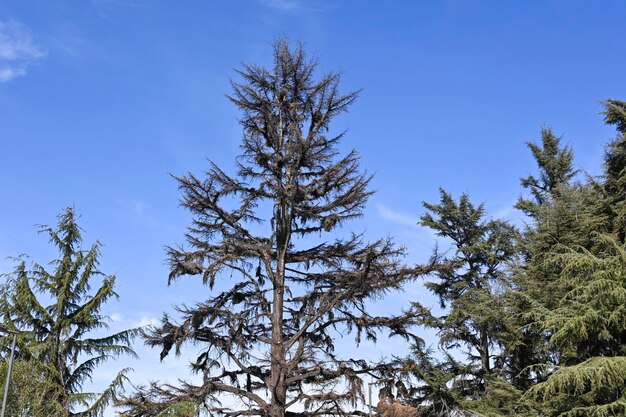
x=280, y=294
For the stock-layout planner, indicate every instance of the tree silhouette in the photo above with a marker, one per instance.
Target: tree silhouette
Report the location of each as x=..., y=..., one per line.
x=279, y=297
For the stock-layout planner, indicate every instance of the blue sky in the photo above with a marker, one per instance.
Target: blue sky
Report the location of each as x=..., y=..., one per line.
x=100, y=100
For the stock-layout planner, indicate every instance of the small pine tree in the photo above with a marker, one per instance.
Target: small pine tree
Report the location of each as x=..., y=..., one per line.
x=556, y=169
x=469, y=287
x=57, y=335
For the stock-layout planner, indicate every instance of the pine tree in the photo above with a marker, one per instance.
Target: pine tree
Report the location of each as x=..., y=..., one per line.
x=556, y=169
x=613, y=206
x=556, y=210
x=32, y=392
x=279, y=297
x=470, y=287
x=588, y=332
x=585, y=319
x=437, y=392
x=58, y=335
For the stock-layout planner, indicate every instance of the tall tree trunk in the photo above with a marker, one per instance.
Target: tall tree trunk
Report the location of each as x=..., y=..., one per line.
x=278, y=360
x=278, y=388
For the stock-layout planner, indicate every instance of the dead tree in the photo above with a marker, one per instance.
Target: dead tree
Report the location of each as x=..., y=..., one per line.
x=280, y=294
x=396, y=409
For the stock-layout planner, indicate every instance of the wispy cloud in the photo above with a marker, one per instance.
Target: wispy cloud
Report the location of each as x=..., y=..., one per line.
x=130, y=319
x=397, y=217
x=144, y=215
x=283, y=5
x=138, y=207
x=17, y=50
x=116, y=317
x=418, y=240
x=291, y=6
x=508, y=212
x=146, y=321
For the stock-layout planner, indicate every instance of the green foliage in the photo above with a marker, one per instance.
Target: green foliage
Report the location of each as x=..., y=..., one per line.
x=58, y=335
x=501, y=399
x=593, y=388
x=588, y=329
x=574, y=291
x=31, y=392
x=562, y=305
x=182, y=409
x=556, y=169
x=615, y=158
x=562, y=214
x=613, y=206
x=471, y=286
x=538, y=284
x=437, y=394
x=447, y=389
x=470, y=282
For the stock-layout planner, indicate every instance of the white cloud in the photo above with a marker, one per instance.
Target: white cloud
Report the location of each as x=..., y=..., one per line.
x=397, y=217
x=283, y=5
x=291, y=6
x=17, y=50
x=508, y=212
x=116, y=317
x=144, y=215
x=138, y=207
x=147, y=321
x=7, y=73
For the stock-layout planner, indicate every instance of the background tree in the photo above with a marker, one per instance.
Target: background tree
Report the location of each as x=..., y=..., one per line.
x=588, y=334
x=584, y=313
x=470, y=287
x=613, y=205
x=436, y=393
x=556, y=169
x=280, y=295
x=31, y=392
x=556, y=216
x=58, y=335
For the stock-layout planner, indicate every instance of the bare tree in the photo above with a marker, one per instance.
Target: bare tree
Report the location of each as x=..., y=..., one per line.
x=268, y=334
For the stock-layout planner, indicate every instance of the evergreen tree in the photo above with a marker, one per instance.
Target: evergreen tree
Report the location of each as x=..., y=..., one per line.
x=556, y=210
x=569, y=220
x=556, y=169
x=583, y=314
x=613, y=206
x=32, y=392
x=279, y=297
x=470, y=287
x=438, y=392
x=588, y=332
x=57, y=335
